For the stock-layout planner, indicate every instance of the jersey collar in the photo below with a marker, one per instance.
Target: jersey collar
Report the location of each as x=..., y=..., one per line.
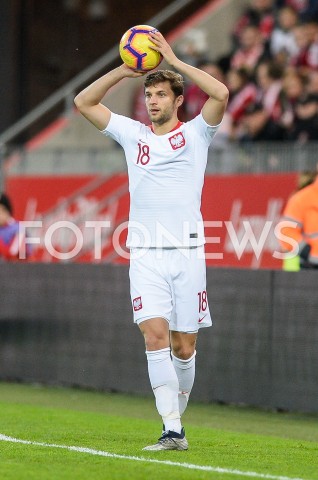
x=174, y=128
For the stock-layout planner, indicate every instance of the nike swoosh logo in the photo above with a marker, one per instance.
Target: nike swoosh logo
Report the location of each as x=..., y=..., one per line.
x=155, y=388
x=200, y=319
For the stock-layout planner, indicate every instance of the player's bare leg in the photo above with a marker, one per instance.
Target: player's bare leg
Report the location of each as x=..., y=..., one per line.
x=164, y=382
x=156, y=333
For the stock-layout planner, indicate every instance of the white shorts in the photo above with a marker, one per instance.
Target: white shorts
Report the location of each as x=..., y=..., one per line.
x=170, y=283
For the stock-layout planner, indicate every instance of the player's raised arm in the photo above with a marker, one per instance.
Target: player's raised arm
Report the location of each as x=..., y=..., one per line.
x=214, y=108
x=88, y=101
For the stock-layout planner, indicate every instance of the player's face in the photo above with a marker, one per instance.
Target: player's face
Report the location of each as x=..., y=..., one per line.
x=161, y=103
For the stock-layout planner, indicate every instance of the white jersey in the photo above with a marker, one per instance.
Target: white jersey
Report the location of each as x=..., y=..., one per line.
x=166, y=175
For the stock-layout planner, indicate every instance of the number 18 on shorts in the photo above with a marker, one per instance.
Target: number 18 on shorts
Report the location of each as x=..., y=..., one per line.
x=171, y=284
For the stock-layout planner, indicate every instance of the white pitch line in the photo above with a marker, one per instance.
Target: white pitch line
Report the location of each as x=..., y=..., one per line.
x=101, y=453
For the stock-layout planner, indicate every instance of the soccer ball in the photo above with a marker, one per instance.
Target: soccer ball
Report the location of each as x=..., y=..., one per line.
x=134, y=49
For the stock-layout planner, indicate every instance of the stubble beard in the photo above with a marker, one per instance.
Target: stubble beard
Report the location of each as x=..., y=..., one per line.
x=162, y=119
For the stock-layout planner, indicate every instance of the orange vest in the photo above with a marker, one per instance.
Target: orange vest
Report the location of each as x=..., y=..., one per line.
x=302, y=208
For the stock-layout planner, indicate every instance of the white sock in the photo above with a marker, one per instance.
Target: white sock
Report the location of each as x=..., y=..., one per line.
x=185, y=370
x=165, y=385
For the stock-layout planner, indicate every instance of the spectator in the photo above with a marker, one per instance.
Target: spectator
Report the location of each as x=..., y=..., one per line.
x=258, y=126
x=243, y=93
x=312, y=85
x=283, y=41
x=308, y=9
x=269, y=82
x=260, y=13
x=261, y=121
x=251, y=49
x=10, y=241
x=306, y=36
x=292, y=89
x=305, y=125
x=301, y=208
x=298, y=5
x=312, y=29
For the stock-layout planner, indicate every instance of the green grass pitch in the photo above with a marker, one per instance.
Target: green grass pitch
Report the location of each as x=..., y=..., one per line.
x=230, y=442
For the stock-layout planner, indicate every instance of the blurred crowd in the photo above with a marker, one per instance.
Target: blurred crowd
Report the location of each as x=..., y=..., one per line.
x=271, y=72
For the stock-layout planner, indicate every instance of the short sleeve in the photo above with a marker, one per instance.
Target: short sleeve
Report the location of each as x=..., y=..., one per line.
x=202, y=128
x=121, y=128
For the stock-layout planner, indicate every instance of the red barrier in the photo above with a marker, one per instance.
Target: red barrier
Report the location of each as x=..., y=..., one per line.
x=244, y=205
x=240, y=214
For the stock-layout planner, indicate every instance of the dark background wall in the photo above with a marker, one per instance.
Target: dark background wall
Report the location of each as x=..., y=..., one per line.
x=72, y=325
x=8, y=65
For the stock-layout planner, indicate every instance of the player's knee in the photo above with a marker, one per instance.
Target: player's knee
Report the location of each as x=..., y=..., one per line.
x=156, y=334
x=155, y=340
x=184, y=352
x=183, y=346
x=155, y=343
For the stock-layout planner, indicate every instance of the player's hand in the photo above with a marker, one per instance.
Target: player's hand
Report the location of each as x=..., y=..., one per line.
x=162, y=46
x=129, y=72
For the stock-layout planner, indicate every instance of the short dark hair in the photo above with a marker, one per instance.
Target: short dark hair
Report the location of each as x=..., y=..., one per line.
x=6, y=202
x=175, y=80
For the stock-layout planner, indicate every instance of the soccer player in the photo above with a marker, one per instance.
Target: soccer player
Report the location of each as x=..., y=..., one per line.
x=166, y=164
